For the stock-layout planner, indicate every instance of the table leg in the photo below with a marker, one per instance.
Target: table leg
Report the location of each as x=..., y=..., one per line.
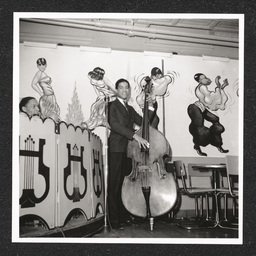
x=216, y=203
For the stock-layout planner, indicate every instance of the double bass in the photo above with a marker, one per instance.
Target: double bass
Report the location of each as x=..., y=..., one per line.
x=149, y=191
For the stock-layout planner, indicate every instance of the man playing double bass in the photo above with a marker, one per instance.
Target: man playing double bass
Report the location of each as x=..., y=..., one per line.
x=122, y=118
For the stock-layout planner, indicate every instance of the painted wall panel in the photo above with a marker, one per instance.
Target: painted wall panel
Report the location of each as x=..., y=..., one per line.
x=68, y=67
x=60, y=172
x=74, y=172
x=97, y=175
x=38, y=169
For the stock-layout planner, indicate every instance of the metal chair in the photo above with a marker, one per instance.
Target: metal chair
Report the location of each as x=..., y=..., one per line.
x=195, y=192
x=230, y=190
x=201, y=180
x=172, y=215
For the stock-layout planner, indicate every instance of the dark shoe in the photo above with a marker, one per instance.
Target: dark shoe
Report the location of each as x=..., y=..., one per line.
x=138, y=220
x=223, y=150
x=198, y=150
x=126, y=223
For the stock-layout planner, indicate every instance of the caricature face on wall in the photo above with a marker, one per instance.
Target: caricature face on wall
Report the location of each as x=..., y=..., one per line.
x=205, y=80
x=41, y=67
x=157, y=76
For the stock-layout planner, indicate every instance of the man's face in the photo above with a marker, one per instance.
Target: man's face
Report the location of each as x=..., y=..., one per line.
x=123, y=90
x=31, y=108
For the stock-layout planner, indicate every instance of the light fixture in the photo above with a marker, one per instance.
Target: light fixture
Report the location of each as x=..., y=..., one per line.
x=40, y=45
x=159, y=54
x=213, y=58
x=95, y=49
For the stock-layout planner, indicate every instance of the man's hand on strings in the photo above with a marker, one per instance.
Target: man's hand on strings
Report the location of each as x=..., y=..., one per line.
x=142, y=142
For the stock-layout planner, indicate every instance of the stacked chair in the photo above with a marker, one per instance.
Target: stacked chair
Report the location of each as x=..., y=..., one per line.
x=195, y=192
x=229, y=189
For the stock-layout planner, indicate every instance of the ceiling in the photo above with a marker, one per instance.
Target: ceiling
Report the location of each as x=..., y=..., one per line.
x=193, y=37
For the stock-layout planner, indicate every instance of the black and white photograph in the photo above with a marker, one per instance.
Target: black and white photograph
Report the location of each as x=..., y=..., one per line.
x=128, y=128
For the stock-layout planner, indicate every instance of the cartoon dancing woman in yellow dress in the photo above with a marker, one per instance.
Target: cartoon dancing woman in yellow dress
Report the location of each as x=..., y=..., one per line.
x=42, y=84
x=103, y=89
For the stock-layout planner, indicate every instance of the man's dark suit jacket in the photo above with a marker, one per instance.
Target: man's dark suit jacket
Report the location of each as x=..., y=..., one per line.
x=121, y=123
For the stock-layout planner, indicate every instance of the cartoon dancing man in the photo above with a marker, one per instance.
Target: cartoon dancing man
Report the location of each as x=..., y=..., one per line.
x=201, y=110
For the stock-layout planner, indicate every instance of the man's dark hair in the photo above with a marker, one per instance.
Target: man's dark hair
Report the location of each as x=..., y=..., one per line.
x=24, y=102
x=120, y=81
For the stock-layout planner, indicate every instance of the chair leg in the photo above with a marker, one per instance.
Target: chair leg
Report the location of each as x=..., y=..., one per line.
x=225, y=217
x=225, y=207
x=234, y=208
x=207, y=206
x=201, y=206
x=235, y=215
x=196, y=207
x=199, y=221
x=217, y=213
x=207, y=221
x=226, y=223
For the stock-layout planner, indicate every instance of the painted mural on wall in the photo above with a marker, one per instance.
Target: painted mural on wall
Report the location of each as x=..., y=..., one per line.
x=201, y=110
x=159, y=84
x=41, y=83
x=75, y=115
x=104, y=89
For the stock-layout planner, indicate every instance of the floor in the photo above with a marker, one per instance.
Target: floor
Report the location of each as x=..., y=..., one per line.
x=165, y=229
x=162, y=228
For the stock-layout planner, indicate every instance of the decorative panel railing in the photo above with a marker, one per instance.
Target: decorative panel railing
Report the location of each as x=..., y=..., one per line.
x=61, y=170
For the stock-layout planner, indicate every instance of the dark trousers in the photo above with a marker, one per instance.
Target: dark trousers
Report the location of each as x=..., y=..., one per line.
x=119, y=167
x=202, y=136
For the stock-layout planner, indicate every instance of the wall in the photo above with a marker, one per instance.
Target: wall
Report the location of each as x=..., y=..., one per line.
x=68, y=67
